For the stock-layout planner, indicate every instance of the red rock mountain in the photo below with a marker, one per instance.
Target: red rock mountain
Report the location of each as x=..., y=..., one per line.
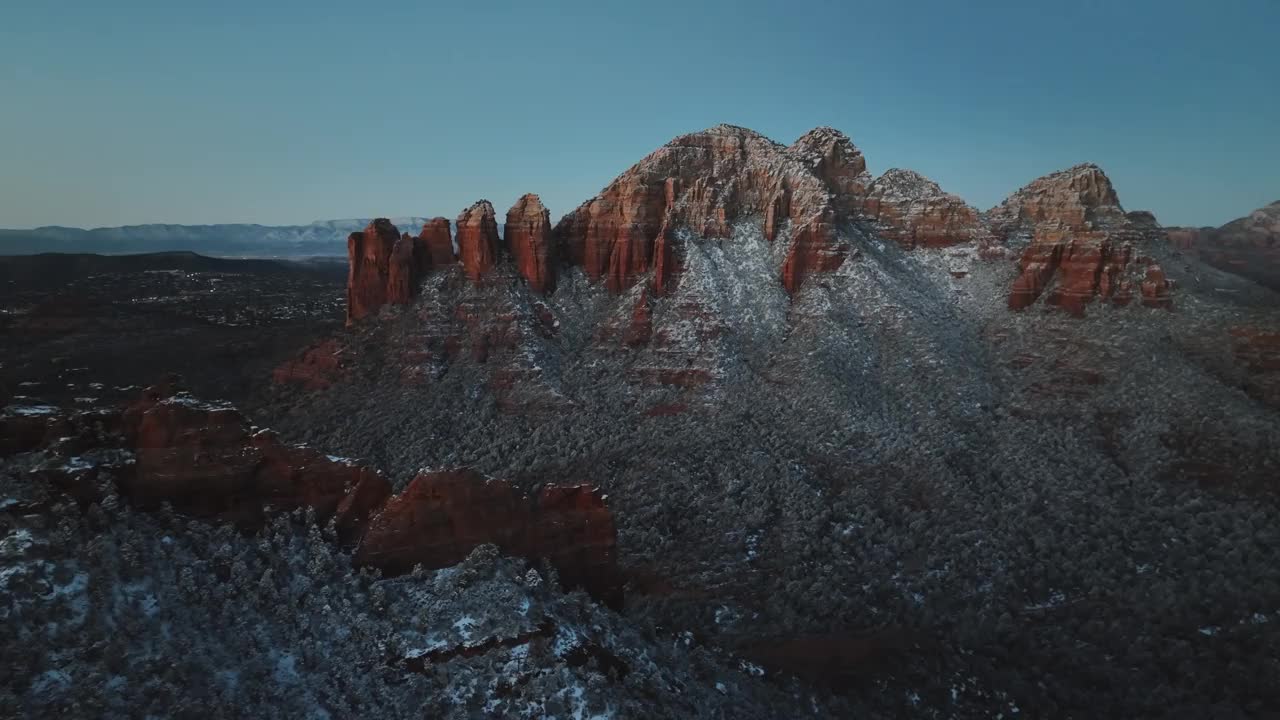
x=1077, y=244
x=1248, y=246
x=704, y=183
x=1080, y=246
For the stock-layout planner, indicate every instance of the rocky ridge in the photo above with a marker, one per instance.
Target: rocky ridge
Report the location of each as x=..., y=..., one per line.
x=913, y=211
x=205, y=460
x=1076, y=242
x=1248, y=246
x=1079, y=244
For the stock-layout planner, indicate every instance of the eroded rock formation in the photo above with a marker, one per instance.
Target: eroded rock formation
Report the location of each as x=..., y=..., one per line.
x=384, y=268
x=831, y=156
x=478, y=239
x=369, y=260
x=436, y=237
x=704, y=183
x=1080, y=246
x=1077, y=243
x=206, y=460
x=913, y=211
x=440, y=517
x=815, y=248
x=528, y=239
x=1080, y=197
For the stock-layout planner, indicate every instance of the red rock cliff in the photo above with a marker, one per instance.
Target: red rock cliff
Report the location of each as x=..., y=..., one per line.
x=704, y=183
x=1081, y=245
x=205, y=459
x=317, y=367
x=478, y=239
x=528, y=239
x=440, y=517
x=913, y=211
x=369, y=267
x=385, y=267
x=438, y=241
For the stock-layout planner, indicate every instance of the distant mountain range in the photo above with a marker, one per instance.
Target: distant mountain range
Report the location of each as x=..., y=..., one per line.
x=324, y=237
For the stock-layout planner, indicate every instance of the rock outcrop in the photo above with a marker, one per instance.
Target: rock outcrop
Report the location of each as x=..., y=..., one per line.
x=408, y=259
x=1248, y=246
x=1078, y=198
x=369, y=267
x=814, y=249
x=528, y=239
x=204, y=459
x=831, y=156
x=1080, y=244
x=436, y=237
x=703, y=184
x=317, y=367
x=1077, y=242
x=384, y=268
x=478, y=239
x=440, y=517
x=913, y=211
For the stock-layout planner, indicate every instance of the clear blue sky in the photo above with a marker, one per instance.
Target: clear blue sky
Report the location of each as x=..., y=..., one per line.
x=286, y=112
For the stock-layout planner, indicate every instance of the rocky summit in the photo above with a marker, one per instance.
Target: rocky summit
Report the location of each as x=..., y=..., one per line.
x=753, y=432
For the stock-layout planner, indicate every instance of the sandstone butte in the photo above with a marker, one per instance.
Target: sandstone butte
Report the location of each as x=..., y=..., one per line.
x=528, y=238
x=1080, y=245
x=478, y=239
x=204, y=459
x=386, y=268
x=437, y=238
